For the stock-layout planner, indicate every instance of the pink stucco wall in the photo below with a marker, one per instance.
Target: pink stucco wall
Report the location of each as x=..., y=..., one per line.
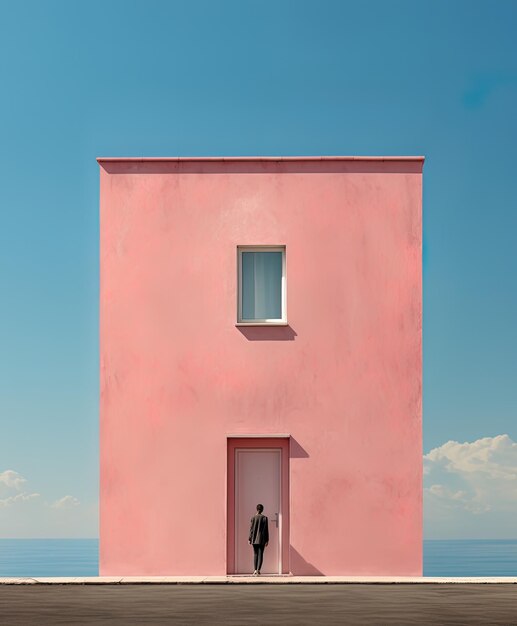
x=343, y=379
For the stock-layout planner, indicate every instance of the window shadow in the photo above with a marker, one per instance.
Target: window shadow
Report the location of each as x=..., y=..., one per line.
x=296, y=451
x=301, y=567
x=267, y=333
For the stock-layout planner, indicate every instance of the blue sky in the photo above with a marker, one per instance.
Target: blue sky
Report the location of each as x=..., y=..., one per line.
x=111, y=78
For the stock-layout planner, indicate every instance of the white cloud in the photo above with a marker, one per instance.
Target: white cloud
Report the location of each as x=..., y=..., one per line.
x=11, y=485
x=495, y=457
x=470, y=489
x=10, y=480
x=65, y=502
x=455, y=499
x=19, y=498
x=24, y=513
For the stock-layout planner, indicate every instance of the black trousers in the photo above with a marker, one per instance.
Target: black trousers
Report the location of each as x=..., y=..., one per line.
x=258, y=550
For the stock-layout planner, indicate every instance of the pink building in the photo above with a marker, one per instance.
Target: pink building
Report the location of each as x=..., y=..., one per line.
x=261, y=341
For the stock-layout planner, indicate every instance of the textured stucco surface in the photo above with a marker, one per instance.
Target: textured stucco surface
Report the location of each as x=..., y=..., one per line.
x=343, y=379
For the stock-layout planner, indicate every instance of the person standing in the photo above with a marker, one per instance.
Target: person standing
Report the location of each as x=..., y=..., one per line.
x=259, y=538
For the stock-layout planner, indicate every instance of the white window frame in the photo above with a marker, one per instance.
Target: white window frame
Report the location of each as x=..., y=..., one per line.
x=261, y=322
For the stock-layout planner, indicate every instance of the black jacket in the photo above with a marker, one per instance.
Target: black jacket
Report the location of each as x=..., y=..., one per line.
x=259, y=531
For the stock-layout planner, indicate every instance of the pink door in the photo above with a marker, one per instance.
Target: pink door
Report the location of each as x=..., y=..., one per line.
x=257, y=480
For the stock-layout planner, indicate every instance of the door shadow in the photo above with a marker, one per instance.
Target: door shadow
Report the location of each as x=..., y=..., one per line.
x=296, y=451
x=301, y=567
x=267, y=333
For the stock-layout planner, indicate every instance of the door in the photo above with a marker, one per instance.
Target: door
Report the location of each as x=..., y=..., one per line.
x=258, y=475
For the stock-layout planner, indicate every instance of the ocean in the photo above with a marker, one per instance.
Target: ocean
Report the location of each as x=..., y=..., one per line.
x=79, y=557
x=49, y=557
x=470, y=557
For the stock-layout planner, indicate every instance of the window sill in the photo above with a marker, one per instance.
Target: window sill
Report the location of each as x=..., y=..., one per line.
x=262, y=324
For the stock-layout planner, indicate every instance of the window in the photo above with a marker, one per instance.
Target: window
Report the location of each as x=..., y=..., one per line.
x=261, y=298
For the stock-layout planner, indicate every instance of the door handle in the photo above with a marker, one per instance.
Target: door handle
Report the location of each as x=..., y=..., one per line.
x=276, y=519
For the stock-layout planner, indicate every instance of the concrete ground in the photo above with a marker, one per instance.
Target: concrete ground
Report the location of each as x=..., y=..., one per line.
x=264, y=604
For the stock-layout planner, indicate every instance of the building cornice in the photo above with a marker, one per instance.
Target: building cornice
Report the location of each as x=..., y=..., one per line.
x=273, y=159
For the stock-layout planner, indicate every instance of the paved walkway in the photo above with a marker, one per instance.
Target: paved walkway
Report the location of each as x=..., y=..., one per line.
x=264, y=604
